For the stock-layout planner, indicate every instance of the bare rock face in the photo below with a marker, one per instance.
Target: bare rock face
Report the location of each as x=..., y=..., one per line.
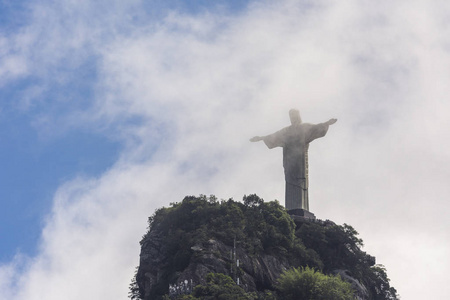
x=152, y=263
x=254, y=272
x=361, y=292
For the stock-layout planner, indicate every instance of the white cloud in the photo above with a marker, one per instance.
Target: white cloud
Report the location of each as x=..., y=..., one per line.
x=201, y=86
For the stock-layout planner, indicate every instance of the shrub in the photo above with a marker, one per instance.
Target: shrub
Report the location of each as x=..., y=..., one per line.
x=307, y=283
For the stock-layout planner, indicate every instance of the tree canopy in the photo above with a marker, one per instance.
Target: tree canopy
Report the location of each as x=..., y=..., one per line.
x=307, y=283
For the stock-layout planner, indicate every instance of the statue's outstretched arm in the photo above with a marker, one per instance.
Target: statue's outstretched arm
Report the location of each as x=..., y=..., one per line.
x=256, y=139
x=331, y=121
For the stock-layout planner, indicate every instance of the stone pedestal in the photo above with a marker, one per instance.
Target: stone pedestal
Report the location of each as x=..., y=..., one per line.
x=296, y=196
x=301, y=213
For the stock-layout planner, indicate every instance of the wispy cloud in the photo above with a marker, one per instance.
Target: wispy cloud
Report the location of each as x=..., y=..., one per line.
x=184, y=93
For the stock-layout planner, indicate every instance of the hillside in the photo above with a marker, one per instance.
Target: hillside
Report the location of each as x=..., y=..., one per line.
x=202, y=246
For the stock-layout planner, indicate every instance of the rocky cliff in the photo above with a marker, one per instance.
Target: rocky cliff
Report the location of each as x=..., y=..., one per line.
x=254, y=272
x=253, y=242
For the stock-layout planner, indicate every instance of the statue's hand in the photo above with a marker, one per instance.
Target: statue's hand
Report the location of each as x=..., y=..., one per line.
x=331, y=121
x=256, y=139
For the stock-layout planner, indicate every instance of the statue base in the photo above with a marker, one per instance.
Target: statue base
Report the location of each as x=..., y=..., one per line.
x=298, y=212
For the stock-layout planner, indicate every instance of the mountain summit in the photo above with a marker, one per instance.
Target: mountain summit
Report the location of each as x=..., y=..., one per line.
x=203, y=248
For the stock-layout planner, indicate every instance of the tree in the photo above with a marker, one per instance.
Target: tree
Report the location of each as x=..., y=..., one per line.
x=378, y=283
x=134, y=293
x=221, y=287
x=307, y=283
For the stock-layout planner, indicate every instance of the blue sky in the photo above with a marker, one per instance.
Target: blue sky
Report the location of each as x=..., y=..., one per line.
x=111, y=109
x=36, y=162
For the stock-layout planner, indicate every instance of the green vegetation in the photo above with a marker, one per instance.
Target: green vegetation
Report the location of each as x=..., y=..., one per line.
x=221, y=287
x=300, y=283
x=260, y=226
x=313, y=250
x=307, y=283
x=218, y=286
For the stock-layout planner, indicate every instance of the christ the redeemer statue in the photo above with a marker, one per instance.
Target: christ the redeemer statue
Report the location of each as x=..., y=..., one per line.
x=295, y=141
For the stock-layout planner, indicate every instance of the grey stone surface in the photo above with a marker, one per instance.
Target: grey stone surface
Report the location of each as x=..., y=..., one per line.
x=295, y=140
x=361, y=292
x=213, y=257
x=298, y=212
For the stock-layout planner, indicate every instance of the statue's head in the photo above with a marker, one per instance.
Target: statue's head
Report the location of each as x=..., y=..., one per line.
x=294, y=114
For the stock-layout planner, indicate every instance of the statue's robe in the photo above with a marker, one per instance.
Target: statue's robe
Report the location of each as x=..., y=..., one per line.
x=295, y=141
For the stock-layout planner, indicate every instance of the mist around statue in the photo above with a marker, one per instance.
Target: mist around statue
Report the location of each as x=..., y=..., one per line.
x=295, y=140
